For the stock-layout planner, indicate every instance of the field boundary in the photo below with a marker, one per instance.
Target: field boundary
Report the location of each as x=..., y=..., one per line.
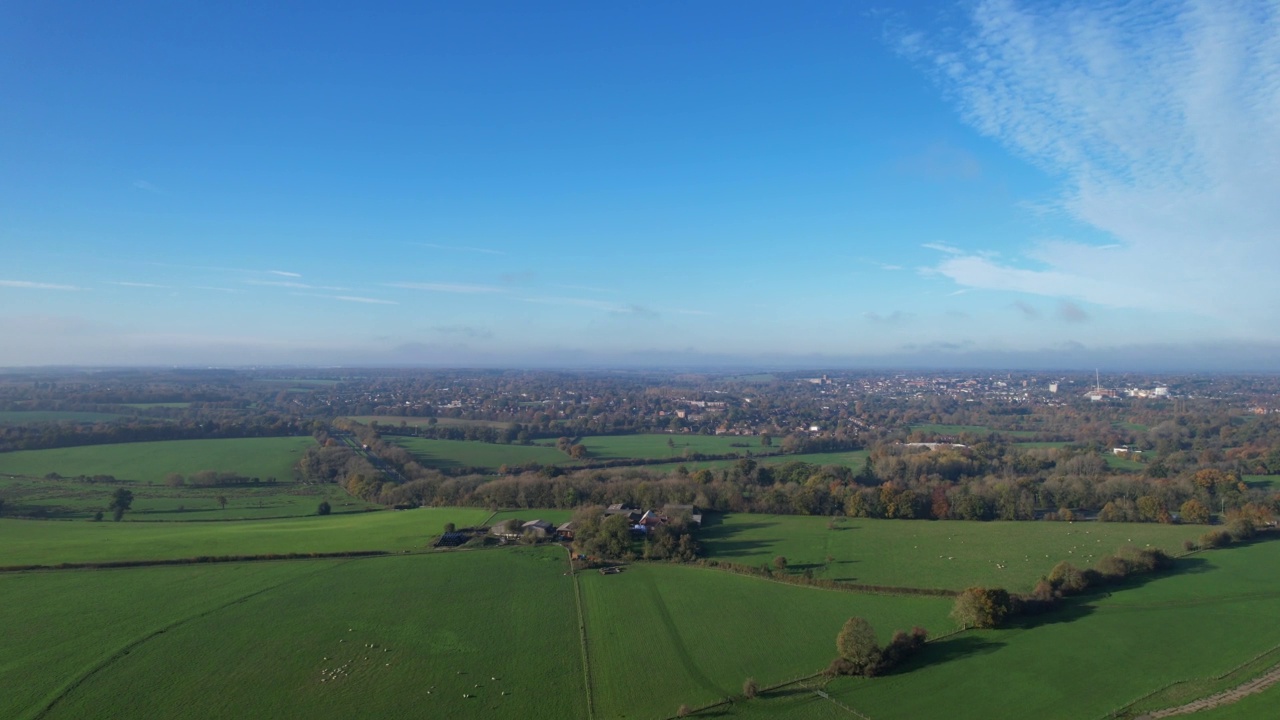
x=582, y=636
x=199, y=560
x=1118, y=712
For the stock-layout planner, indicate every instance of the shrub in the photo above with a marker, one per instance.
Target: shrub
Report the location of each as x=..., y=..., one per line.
x=323, y=508
x=780, y=562
x=684, y=711
x=750, y=689
x=1241, y=529
x=1112, y=567
x=1189, y=545
x=1215, y=539
x=1068, y=578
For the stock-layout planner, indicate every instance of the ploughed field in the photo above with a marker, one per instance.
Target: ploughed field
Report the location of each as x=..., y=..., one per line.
x=500, y=632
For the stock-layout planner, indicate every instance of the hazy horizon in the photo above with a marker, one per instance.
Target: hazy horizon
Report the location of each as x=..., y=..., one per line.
x=976, y=185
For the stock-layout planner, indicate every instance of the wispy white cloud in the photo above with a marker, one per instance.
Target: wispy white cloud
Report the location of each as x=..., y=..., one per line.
x=144, y=185
x=292, y=285
x=367, y=300
x=284, y=273
x=462, y=288
x=29, y=285
x=122, y=283
x=216, y=289
x=457, y=248
x=1159, y=120
x=943, y=247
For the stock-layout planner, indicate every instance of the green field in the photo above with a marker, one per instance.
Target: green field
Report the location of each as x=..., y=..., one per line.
x=1267, y=482
x=1115, y=462
x=663, y=635
x=926, y=553
x=1098, y=655
x=443, y=627
x=46, y=542
x=71, y=499
x=256, y=639
x=940, y=429
x=555, y=517
x=451, y=454
x=20, y=417
x=852, y=459
x=148, y=406
x=149, y=462
x=656, y=447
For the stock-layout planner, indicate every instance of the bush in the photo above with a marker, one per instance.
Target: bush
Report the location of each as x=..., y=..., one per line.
x=1189, y=545
x=684, y=711
x=750, y=689
x=1241, y=529
x=1068, y=578
x=324, y=508
x=1215, y=539
x=1112, y=568
x=450, y=527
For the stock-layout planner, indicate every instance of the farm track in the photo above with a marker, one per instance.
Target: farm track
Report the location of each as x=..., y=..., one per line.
x=1226, y=697
x=118, y=655
x=677, y=642
x=582, y=638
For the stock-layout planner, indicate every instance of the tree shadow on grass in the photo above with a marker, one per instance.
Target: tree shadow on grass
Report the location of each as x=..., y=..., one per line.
x=952, y=648
x=736, y=548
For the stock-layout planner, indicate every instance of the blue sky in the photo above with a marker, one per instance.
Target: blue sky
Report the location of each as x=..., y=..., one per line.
x=982, y=183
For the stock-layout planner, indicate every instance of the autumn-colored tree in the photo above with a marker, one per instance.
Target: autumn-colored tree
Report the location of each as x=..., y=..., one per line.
x=1194, y=511
x=856, y=645
x=980, y=607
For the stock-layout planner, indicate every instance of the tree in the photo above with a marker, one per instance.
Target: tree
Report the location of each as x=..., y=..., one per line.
x=1194, y=511
x=578, y=451
x=750, y=689
x=856, y=645
x=222, y=501
x=766, y=440
x=120, y=502
x=97, y=517
x=981, y=607
x=450, y=527
x=324, y=508
x=780, y=562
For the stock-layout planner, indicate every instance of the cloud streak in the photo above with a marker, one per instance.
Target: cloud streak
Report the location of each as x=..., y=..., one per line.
x=29, y=285
x=460, y=288
x=1159, y=121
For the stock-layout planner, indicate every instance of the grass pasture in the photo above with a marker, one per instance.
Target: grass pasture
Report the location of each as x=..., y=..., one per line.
x=662, y=635
x=444, y=626
x=920, y=553
x=21, y=417
x=72, y=499
x=37, y=542
x=1099, y=654
x=62, y=626
x=447, y=454
x=653, y=446
x=149, y=462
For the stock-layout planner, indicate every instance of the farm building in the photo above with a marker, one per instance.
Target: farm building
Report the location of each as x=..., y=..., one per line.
x=540, y=528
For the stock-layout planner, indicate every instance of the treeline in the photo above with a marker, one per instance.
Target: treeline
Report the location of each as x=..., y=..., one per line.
x=39, y=436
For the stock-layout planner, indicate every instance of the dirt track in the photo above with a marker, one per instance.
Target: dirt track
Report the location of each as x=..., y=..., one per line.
x=1226, y=697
